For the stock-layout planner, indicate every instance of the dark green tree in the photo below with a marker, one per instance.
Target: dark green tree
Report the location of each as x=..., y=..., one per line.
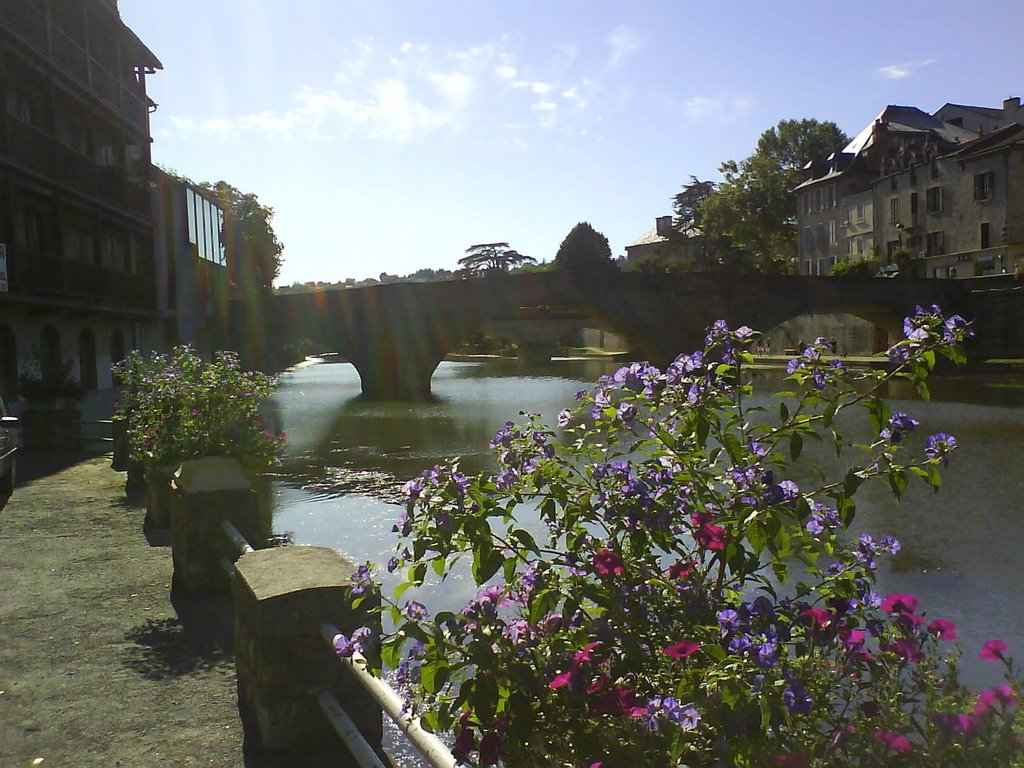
x=488, y=257
x=584, y=249
x=688, y=205
x=755, y=205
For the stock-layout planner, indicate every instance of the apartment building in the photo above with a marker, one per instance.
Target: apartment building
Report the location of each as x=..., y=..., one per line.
x=76, y=225
x=930, y=195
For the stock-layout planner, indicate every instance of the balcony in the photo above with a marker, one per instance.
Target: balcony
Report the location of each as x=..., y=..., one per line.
x=46, y=275
x=70, y=56
x=30, y=146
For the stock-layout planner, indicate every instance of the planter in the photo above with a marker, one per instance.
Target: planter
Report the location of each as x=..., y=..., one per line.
x=51, y=426
x=119, y=432
x=158, y=496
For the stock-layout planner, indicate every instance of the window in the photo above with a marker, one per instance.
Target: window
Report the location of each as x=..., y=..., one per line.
x=808, y=240
x=890, y=249
x=809, y=202
x=832, y=232
x=860, y=246
x=822, y=243
x=983, y=234
x=832, y=196
x=893, y=184
x=817, y=199
x=983, y=185
x=894, y=210
x=860, y=213
x=936, y=244
x=913, y=176
x=934, y=167
x=933, y=199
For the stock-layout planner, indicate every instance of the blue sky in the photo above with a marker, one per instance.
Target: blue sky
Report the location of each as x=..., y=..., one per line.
x=389, y=136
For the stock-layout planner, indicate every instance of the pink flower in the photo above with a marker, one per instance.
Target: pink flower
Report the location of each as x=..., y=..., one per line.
x=906, y=649
x=895, y=741
x=898, y=602
x=993, y=650
x=820, y=618
x=615, y=702
x=607, y=563
x=707, y=534
x=681, y=650
x=943, y=629
x=852, y=638
x=680, y=570
x=955, y=724
x=1002, y=695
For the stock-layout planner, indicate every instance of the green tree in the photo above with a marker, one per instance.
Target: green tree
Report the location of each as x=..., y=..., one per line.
x=487, y=257
x=755, y=205
x=247, y=225
x=688, y=204
x=584, y=249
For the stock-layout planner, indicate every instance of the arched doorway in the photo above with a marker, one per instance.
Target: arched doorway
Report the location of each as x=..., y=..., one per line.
x=8, y=362
x=51, y=362
x=87, y=359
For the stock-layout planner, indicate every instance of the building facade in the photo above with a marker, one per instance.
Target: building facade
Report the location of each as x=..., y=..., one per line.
x=76, y=223
x=665, y=245
x=927, y=195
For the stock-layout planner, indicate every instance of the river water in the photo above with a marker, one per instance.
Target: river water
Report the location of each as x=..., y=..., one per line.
x=963, y=548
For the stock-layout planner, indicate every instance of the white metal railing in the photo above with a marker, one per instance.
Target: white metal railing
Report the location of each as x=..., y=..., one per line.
x=433, y=750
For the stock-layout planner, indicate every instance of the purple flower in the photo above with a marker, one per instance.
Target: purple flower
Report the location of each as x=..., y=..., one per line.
x=797, y=699
x=767, y=655
x=564, y=418
x=412, y=491
x=343, y=646
x=415, y=611
x=729, y=620
x=938, y=446
x=899, y=423
x=364, y=640
x=361, y=579
x=627, y=413
x=403, y=527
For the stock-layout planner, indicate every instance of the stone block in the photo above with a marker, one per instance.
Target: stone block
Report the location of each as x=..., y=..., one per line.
x=203, y=493
x=282, y=596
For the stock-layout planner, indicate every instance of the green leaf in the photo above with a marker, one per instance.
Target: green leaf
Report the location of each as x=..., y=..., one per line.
x=485, y=697
x=796, y=445
x=851, y=482
x=486, y=561
x=757, y=536
x=434, y=675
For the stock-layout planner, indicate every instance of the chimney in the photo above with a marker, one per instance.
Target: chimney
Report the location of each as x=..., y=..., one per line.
x=1011, y=107
x=663, y=226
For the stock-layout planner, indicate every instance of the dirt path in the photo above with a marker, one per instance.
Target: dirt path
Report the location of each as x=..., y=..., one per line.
x=96, y=669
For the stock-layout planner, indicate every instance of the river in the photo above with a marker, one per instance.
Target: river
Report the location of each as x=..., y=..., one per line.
x=963, y=548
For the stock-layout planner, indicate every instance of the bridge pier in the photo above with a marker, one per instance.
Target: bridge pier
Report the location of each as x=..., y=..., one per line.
x=395, y=377
x=536, y=353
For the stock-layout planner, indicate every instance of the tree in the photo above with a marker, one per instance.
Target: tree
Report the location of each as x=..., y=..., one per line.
x=755, y=205
x=688, y=204
x=486, y=257
x=584, y=249
x=247, y=226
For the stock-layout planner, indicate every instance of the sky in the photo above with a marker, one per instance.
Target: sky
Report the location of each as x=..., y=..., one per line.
x=390, y=136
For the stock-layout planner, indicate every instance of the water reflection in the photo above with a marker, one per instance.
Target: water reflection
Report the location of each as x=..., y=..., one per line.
x=963, y=549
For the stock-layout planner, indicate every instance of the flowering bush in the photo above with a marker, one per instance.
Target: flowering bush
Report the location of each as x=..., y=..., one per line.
x=179, y=407
x=683, y=600
x=49, y=381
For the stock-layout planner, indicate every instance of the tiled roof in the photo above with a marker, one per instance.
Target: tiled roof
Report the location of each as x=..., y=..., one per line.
x=901, y=119
x=649, y=238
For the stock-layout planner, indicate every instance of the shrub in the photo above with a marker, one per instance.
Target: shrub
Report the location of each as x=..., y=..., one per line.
x=179, y=407
x=847, y=268
x=688, y=602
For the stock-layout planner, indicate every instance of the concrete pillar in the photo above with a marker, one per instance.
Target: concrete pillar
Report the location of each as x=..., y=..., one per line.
x=203, y=493
x=282, y=596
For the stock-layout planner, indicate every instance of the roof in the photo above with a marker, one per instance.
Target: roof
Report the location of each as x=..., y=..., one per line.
x=900, y=119
x=986, y=111
x=649, y=238
x=1008, y=136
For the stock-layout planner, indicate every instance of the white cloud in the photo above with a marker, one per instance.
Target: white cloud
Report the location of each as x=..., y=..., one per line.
x=410, y=91
x=906, y=69
x=623, y=42
x=722, y=108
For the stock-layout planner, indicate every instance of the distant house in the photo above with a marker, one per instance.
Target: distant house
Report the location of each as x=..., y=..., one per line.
x=666, y=244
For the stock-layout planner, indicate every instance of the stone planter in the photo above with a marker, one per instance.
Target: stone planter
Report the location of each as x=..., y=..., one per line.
x=119, y=432
x=51, y=426
x=158, y=497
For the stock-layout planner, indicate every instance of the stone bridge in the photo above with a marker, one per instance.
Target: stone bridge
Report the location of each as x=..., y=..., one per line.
x=396, y=334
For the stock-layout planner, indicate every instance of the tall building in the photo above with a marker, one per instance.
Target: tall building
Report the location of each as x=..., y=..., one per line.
x=77, y=272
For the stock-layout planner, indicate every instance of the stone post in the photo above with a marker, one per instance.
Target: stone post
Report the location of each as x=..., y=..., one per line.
x=282, y=596
x=204, y=492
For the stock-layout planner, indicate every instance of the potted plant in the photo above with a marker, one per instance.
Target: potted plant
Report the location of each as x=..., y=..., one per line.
x=179, y=408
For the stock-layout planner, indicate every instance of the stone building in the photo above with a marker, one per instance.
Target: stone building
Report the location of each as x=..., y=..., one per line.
x=929, y=195
x=77, y=270
x=667, y=245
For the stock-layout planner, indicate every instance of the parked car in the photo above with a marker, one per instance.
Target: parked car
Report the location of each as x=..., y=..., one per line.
x=10, y=436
